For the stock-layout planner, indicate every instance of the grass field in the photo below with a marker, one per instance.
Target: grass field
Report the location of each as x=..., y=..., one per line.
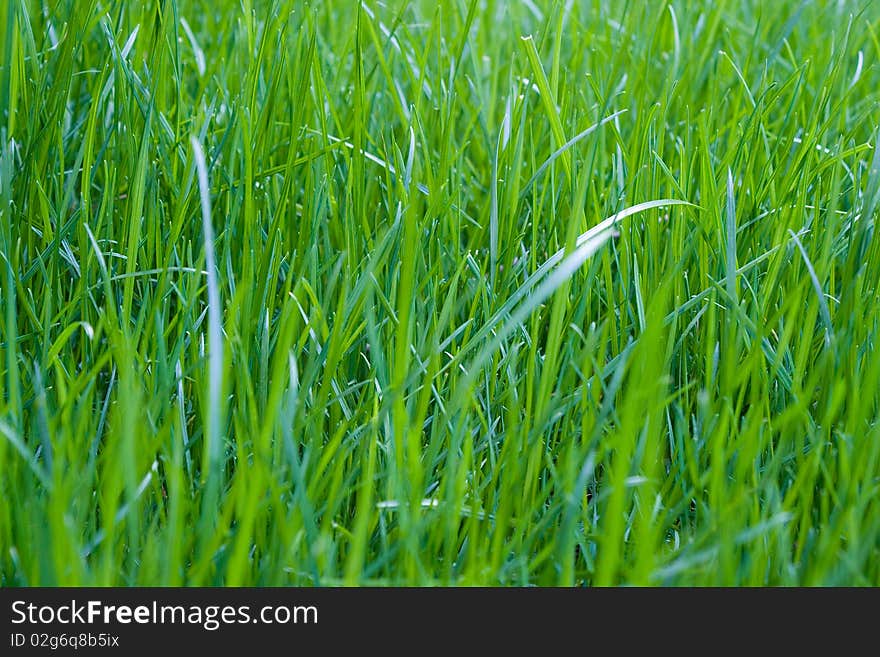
x=468, y=292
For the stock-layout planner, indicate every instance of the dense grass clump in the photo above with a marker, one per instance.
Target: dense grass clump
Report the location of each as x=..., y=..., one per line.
x=318, y=293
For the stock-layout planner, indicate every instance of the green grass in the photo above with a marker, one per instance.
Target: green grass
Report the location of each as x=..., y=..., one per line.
x=323, y=293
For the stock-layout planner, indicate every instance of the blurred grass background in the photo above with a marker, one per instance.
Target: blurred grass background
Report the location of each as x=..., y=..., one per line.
x=292, y=293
